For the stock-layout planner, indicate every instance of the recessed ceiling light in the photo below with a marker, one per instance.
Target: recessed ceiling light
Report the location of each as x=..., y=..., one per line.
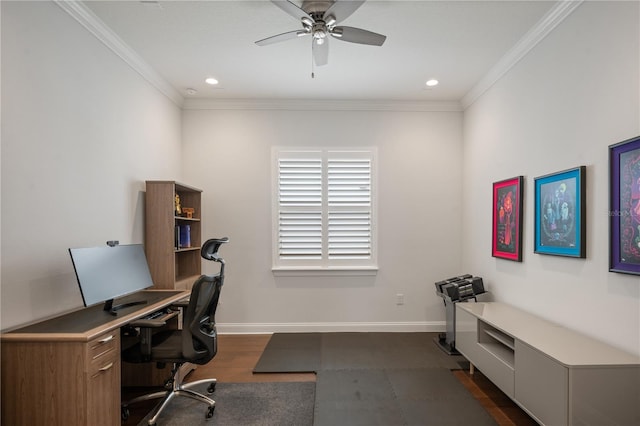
x=432, y=82
x=212, y=81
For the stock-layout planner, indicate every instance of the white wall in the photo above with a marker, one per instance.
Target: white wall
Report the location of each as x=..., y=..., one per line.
x=81, y=131
x=227, y=153
x=576, y=93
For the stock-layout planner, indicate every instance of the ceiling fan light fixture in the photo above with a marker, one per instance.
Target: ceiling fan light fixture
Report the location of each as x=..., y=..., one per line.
x=330, y=21
x=319, y=34
x=336, y=32
x=306, y=21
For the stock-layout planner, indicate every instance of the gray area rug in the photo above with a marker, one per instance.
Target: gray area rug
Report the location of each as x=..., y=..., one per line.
x=371, y=379
x=245, y=404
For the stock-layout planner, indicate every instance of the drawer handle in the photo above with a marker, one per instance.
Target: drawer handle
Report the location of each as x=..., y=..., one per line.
x=106, y=367
x=106, y=339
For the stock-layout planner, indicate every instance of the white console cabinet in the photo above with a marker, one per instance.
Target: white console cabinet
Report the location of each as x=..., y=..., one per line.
x=558, y=376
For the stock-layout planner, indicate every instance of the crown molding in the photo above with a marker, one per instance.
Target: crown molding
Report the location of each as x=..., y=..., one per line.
x=102, y=32
x=561, y=10
x=319, y=105
x=93, y=24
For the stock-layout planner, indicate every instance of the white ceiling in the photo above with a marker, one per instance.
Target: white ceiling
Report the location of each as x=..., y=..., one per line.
x=457, y=42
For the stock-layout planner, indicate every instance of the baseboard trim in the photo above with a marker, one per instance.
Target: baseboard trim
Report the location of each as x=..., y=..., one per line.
x=324, y=327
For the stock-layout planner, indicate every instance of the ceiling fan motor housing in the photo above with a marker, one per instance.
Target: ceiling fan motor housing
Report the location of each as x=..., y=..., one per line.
x=316, y=7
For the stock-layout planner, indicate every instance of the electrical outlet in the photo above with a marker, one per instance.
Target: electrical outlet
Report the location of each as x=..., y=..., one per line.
x=399, y=299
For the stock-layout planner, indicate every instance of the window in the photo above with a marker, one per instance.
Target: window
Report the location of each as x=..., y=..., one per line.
x=324, y=216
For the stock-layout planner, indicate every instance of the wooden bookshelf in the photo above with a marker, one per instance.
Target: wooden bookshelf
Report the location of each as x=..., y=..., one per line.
x=171, y=266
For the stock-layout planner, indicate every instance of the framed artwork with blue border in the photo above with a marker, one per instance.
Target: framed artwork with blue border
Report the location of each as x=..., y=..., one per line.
x=624, y=206
x=507, y=219
x=560, y=213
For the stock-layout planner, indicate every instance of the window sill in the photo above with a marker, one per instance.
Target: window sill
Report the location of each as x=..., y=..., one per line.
x=285, y=271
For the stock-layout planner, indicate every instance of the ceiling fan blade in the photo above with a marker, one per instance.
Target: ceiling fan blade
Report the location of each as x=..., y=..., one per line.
x=341, y=10
x=292, y=10
x=357, y=35
x=320, y=52
x=281, y=37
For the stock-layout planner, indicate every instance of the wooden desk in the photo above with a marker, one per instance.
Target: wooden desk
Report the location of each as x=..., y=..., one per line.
x=66, y=370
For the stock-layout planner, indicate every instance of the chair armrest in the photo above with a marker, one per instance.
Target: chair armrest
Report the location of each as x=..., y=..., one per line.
x=146, y=335
x=180, y=304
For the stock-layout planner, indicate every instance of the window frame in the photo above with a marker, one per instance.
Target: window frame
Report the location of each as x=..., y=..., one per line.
x=324, y=265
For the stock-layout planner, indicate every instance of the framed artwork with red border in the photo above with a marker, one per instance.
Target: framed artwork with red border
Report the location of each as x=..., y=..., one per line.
x=624, y=207
x=507, y=219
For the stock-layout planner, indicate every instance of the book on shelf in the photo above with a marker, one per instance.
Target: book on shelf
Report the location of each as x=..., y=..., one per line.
x=183, y=237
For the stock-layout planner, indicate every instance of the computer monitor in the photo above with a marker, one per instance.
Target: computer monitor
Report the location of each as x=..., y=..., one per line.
x=105, y=273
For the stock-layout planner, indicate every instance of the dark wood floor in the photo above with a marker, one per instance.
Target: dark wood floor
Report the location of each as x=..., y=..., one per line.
x=239, y=353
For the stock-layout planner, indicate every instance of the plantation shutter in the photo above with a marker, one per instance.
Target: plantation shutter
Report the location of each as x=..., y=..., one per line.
x=300, y=212
x=323, y=210
x=349, y=212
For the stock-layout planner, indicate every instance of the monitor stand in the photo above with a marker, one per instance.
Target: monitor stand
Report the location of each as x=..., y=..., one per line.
x=109, y=307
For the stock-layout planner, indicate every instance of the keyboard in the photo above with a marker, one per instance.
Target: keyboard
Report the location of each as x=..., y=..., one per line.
x=156, y=314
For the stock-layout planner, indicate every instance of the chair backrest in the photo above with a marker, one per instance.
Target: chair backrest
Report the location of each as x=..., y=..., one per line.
x=199, y=337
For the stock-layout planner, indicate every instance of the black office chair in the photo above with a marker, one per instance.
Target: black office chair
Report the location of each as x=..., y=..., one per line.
x=196, y=343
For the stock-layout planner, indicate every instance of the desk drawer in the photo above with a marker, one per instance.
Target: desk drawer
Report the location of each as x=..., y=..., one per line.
x=103, y=350
x=103, y=391
x=104, y=364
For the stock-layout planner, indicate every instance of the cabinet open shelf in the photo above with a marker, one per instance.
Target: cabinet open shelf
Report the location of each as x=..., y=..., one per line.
x=502, y=338
x=497, y=343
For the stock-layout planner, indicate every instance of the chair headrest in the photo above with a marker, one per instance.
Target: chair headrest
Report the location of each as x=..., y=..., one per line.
x=210, y=248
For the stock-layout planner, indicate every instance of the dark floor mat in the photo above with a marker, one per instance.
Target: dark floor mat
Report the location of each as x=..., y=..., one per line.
x=311, y=352
x=355, y=397
x=347, y=351
x=427, y=396
x=291, y=353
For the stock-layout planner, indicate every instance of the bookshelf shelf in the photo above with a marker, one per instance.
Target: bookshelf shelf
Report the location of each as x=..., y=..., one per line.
x=172, y=267
x=184, y=249
x=186, y=219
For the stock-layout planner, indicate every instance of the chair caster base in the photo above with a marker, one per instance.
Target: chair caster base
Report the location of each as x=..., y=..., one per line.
x=210, y=411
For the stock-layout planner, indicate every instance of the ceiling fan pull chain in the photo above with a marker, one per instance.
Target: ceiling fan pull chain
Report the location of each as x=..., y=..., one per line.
x=312, y=73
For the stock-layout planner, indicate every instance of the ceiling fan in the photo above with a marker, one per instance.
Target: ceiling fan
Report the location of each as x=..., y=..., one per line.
x=319, y=19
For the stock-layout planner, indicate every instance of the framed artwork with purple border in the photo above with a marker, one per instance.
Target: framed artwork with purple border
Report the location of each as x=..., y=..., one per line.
x=507, y=219
x=560, y=213
x=624, y=206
